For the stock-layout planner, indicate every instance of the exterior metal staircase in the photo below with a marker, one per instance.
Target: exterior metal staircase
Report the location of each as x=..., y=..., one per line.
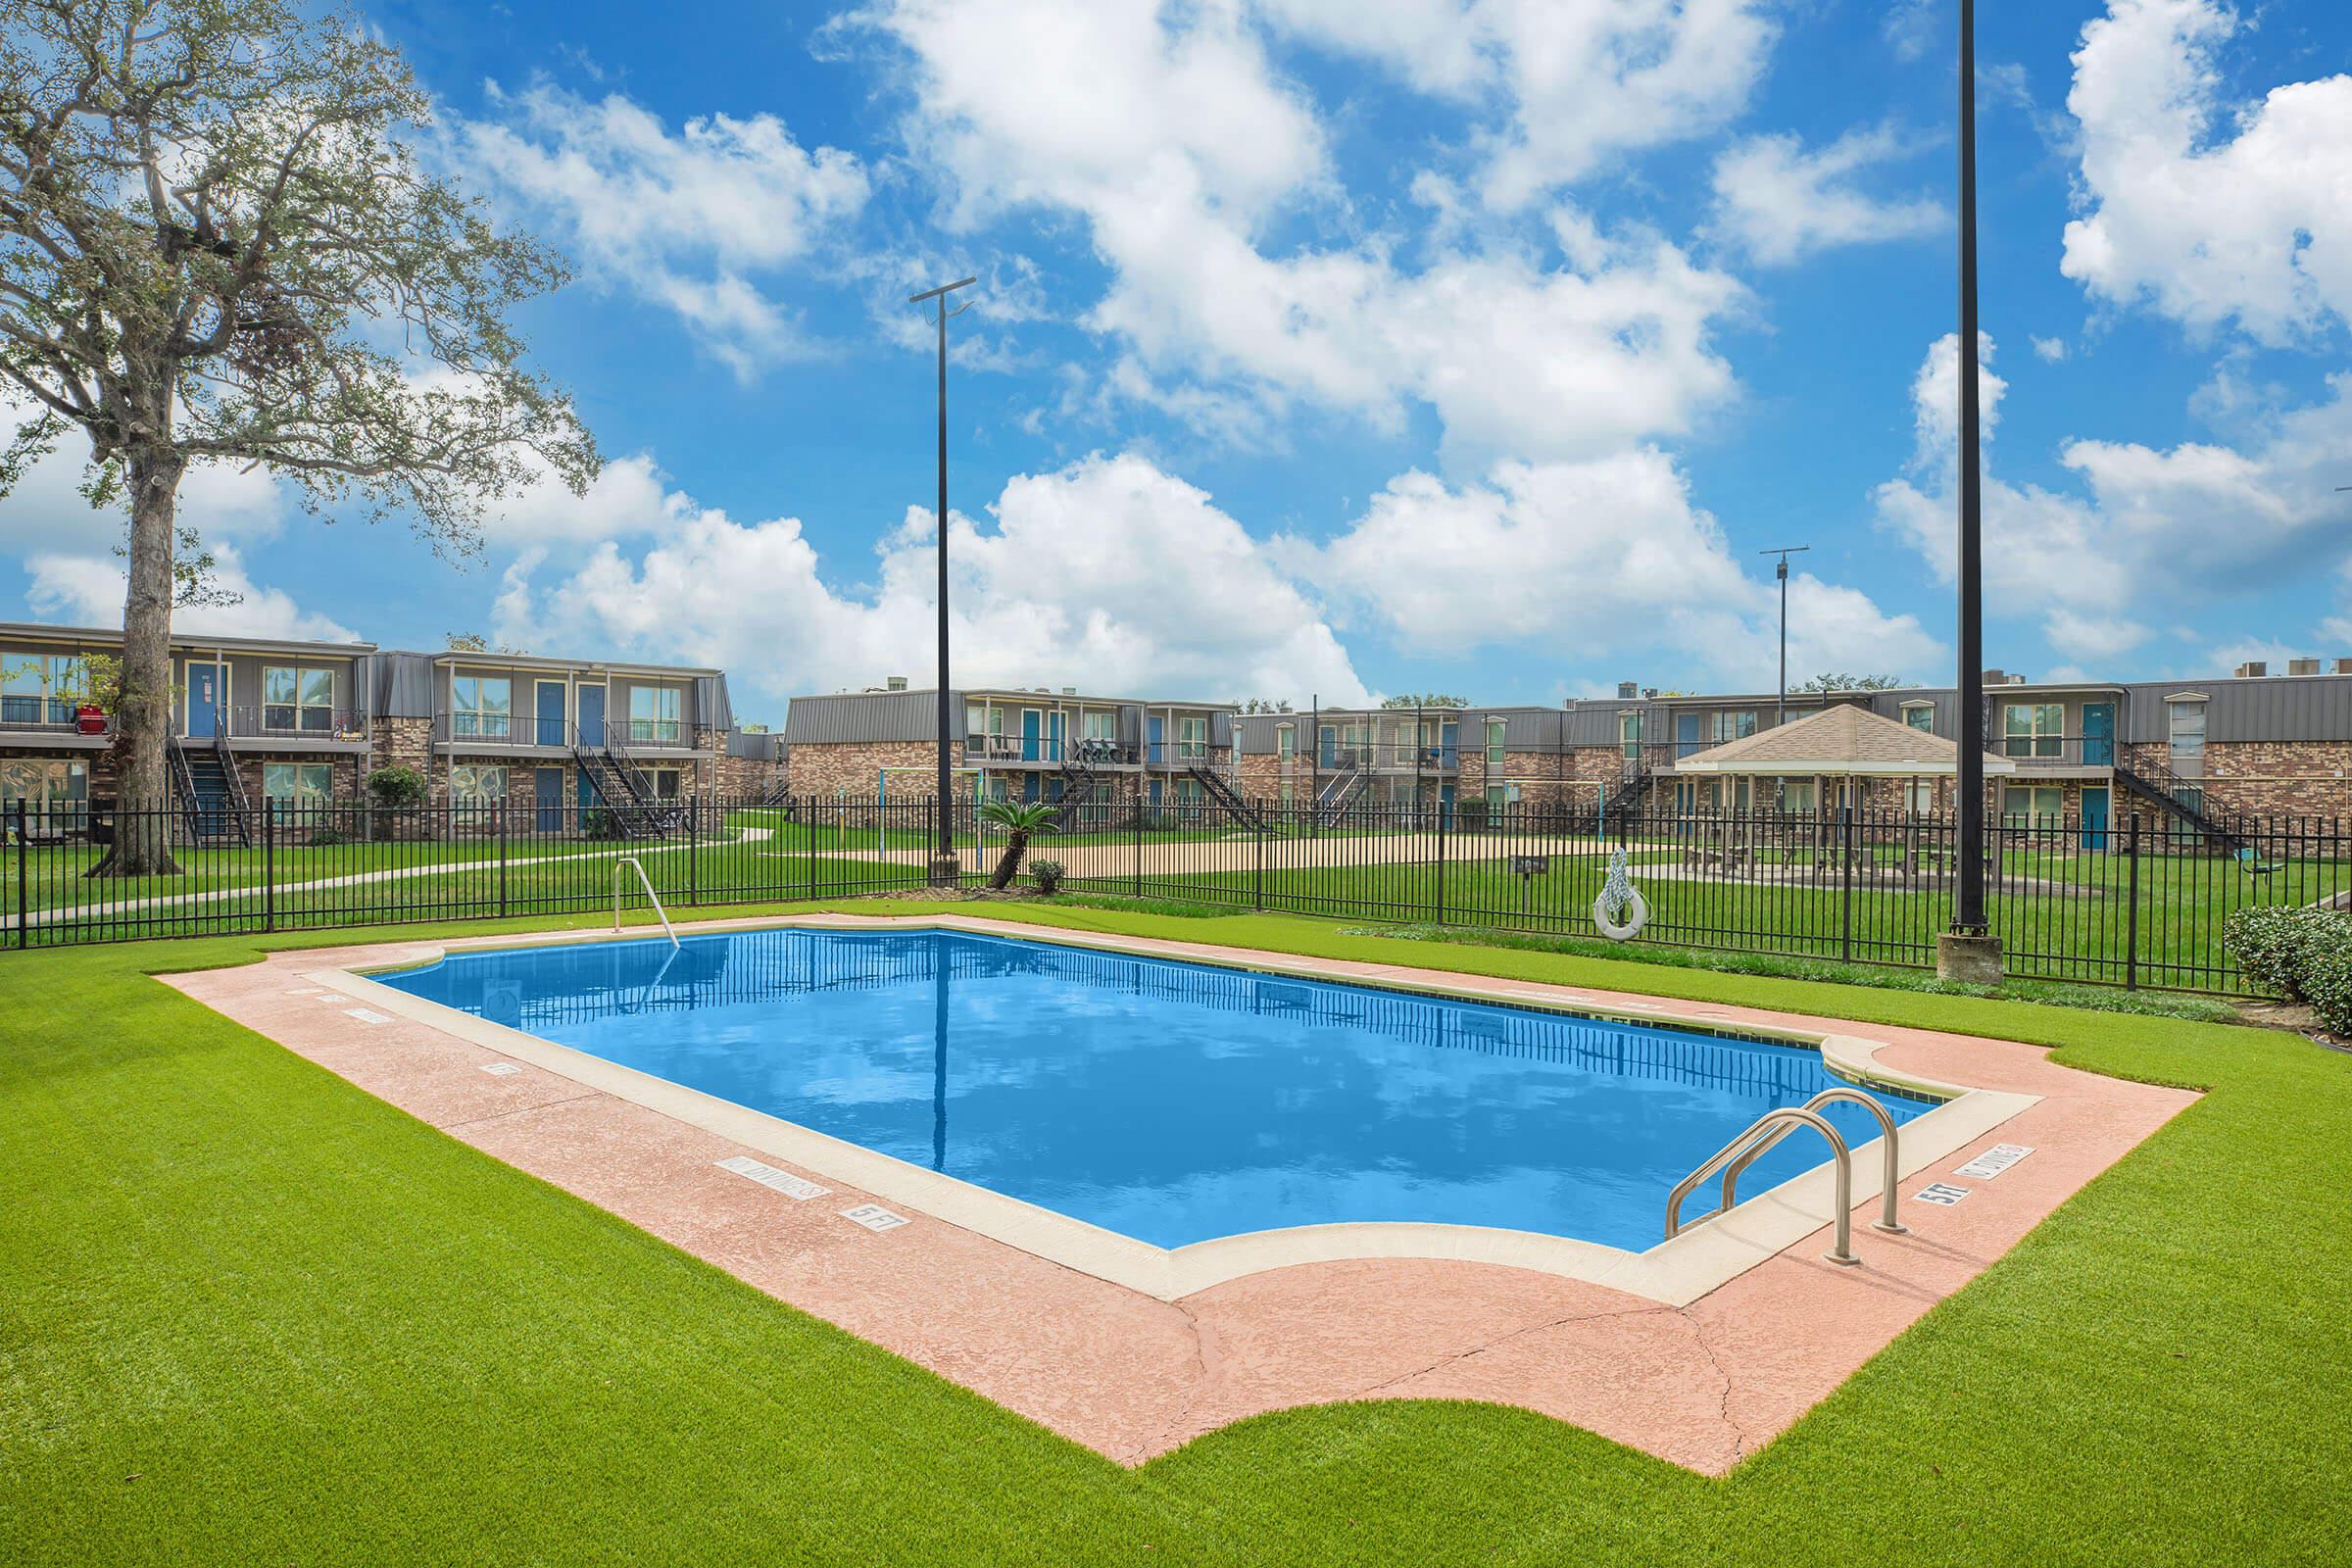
x=209, y=793
x=1337, y=795
x=2186, y=800
x=1216, y=787
x=1079, y=781
x=1632, y=790
x=633, y=811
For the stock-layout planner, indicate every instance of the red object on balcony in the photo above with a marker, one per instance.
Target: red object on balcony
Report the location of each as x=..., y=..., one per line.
x=90, y=720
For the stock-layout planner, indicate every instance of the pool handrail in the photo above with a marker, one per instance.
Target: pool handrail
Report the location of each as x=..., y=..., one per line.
x=653, y=897
x=1891, y=1174
x=1842, y=1248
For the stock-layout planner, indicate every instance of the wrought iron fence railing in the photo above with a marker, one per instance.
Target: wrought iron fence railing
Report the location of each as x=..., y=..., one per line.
x=2136, y=898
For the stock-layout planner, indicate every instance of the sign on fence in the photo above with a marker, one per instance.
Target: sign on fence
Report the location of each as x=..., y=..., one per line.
x=1532, y=864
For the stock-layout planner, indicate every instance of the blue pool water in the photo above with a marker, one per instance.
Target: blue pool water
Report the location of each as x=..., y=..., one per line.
x=1169, y=1102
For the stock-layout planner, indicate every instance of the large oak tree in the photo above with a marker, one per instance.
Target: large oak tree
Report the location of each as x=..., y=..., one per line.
x=219, y=243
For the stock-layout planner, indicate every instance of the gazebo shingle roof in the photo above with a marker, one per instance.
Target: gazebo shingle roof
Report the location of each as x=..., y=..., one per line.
x=1841, y=739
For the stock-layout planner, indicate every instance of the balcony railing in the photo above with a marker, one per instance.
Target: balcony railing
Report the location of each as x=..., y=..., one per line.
x=493, y=731
x=46, y=715
x=980, y=749
x=290, y=721
x=2055, y=750
x=1390, y=756
x=1189, y=754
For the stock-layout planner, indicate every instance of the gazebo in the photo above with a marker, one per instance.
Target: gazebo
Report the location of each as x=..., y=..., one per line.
x=1845, y=745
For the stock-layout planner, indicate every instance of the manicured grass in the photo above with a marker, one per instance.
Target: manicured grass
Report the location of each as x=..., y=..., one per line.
x=249, y=1315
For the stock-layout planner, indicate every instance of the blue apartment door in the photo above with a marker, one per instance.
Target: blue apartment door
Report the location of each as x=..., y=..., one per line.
x=2098, y=737
x=204, y=699
x=546, y=706
x=548, y=782
x=1029, y=735
x=591, y=703
x=1686, y=734
x=1157, y=732
x=1053, y=736
x=2094, y=818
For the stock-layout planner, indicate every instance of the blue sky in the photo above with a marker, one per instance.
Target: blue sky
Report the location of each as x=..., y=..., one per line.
x=1333, y=347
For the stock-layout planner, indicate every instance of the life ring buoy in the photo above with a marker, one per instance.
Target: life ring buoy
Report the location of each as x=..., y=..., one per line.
x=1637, y=915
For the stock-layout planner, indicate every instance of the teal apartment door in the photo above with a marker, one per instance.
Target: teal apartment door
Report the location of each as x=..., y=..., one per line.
x=1029, y=734
x=204, y=700
x=547, y=711
x=2094, y=816
x=590, y=701
x=1686, y=735
x=2098, y=737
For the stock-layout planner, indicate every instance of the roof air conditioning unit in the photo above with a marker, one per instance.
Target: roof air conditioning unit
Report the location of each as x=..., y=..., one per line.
x=2253, y=669
x=2302, y=666
x=894, y=683
x=1629, y=689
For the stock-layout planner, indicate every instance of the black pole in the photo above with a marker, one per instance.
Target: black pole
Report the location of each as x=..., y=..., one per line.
x=946, y=845
x=1780, y=711
x=1968, y=904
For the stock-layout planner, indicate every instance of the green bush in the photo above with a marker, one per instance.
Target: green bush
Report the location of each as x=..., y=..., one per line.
x=2278, y=947
x=2327, y=979
x=325, y=837
x=396, y=785
x=1047, y=875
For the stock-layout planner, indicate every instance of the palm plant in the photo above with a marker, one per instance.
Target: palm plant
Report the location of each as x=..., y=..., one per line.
x=1021, y=819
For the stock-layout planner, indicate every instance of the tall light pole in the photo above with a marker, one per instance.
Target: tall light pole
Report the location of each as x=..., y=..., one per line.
x=1969, y=951
x=943, y=859
x=1781, y=711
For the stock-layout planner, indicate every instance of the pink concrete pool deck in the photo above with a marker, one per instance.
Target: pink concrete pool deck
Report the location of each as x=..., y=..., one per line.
x=1702, y=1384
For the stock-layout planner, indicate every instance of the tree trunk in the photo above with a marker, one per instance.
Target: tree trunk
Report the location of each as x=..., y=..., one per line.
x=143, y=715
x=1015, y=842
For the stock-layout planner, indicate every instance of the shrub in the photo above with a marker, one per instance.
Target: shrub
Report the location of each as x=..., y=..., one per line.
x=2278, y=947
x=1046, y=874
x=325, y=837
x=396, y=785
x=2326, y=978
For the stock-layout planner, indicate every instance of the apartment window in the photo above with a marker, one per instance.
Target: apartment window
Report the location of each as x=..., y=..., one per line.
x=1799, y=794
x=2026, y=805
x=1921, y=717
x=661, y=783
x=1732, y=726
x=299, y=783
x=1286, y=741
x=1191, y=739
x=1494, y=749
x=39, y=689
x=1286, y=791
x=477, y=785
x=653, y=715
x=482, y=706
x=1101, y=725
x=53, y=793
x=298, y=699
x=1730, y=794
x=1629, y=733
x=2185, y=721
x=1502, y=797
x=2032, y=729
x=1920, y=796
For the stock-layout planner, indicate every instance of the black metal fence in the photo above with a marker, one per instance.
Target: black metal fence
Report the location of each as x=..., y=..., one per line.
x=2137, y=901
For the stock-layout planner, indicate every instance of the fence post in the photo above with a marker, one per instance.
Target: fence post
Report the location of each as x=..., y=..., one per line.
x=694, y=869
x=268, y=863
x=814, y=805
x=1845, y=877
x=1257, y=872
x=1139, y=838
x=2132, y=908
x=24, y=874
x=499, y=808
x=1440, y=862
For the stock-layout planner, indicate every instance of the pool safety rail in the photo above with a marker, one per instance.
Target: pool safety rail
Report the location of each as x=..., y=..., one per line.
x=632, y=863
x=1890, y=1169
x=1765, y=1130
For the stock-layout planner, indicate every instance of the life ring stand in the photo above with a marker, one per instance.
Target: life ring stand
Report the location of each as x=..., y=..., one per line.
x=1637, y=915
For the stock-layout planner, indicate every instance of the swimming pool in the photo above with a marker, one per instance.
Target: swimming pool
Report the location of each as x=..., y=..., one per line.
x=1171, y=1102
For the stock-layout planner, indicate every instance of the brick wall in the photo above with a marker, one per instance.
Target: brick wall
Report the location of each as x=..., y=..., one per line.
x=825, y=770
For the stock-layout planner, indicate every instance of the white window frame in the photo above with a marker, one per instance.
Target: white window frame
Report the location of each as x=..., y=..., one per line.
x=2038, y=739
x=665, y=724
x=1732, y=724
x=51, y=787
x=2044, y=804
x=1192, y=738
x=1915, y=713
x=478, y=784
x=299, y=710
x=466, y=721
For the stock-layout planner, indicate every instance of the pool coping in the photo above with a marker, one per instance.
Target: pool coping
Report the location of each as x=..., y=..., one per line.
x=1672, y=1273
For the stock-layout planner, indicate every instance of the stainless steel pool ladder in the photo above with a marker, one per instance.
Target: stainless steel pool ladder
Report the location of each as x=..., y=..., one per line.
x=1766, y=1131
x=650, y=896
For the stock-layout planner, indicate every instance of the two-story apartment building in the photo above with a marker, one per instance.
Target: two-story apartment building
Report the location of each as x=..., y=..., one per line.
x=252, y=720
x=1011, y=743
x=2253, y=743
x=549, y=737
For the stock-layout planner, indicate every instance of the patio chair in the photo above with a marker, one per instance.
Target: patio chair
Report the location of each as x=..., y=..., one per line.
x=2253, y=865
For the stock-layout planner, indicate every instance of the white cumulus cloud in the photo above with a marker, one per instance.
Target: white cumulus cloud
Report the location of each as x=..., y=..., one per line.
x=2211, y=211
x=87, y=591
x=1781, y=203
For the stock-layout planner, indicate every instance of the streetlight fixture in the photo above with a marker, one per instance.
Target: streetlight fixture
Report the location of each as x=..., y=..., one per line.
x=1969, y=951
x=1781, y=711
x=944, y=867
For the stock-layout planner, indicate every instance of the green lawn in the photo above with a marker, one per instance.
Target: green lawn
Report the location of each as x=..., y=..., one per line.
x=253, y=1317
